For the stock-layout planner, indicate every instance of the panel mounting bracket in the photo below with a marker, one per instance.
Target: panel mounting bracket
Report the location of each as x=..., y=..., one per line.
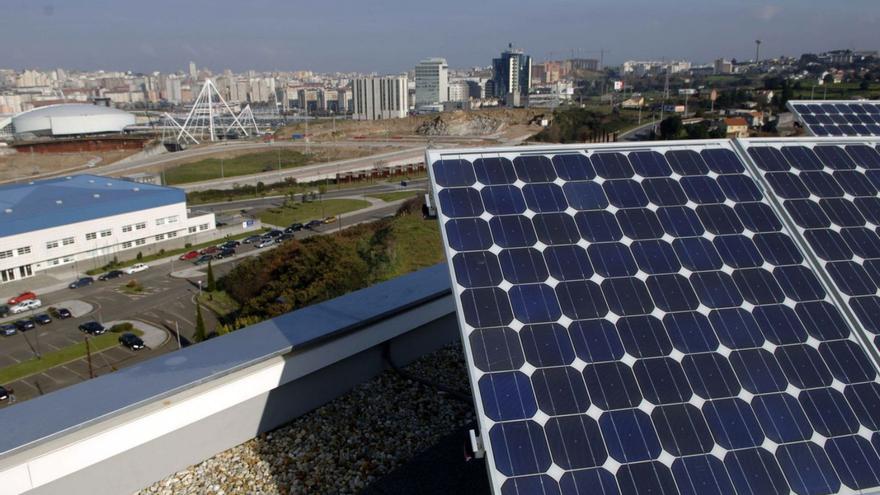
x=476, y=444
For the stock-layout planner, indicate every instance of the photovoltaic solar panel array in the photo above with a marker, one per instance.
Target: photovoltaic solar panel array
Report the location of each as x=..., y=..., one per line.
x=838, y=118
x=642, y=320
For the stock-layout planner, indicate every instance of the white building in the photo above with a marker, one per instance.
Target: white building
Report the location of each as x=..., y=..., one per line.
x=62, y=221
x=432, y=81
x=459, y=91
x=376, y=98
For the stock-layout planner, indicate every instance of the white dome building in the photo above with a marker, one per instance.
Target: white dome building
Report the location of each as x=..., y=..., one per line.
x=71, y=119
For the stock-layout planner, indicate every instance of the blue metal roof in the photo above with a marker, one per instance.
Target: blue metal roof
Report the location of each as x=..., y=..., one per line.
x=65, y=200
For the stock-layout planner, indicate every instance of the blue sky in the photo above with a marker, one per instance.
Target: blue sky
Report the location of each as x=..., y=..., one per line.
x=392, y=35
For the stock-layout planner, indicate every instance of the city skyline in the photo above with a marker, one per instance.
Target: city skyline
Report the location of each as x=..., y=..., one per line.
x=347, y=36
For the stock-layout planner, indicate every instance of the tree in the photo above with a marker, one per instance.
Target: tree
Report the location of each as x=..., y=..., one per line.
x=670, y=127
x=828, y=79
x=200, y=324
x=212, y=284
x=865, y=85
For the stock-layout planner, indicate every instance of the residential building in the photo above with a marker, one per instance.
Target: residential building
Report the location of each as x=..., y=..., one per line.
x=737, y=127
x=432, y=76
x=723, y=66
x=376, y=98
x=512, y=75
x=458, y=91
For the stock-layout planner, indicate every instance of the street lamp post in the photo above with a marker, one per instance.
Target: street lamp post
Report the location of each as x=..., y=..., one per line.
x=200, y=288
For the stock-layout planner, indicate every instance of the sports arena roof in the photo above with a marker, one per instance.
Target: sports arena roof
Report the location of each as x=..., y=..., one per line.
x=71, y=119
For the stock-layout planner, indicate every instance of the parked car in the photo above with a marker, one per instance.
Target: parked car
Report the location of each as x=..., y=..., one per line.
x=210, y=250
x=264, y=242
x=313, y=223
x=136, y=268
x=81, y=282
x=92, y=327
x=252, y=239
x=284, y=237
x=25, y=325
x=296, y=227
x=4, y=311
x=64, y=313
x=189, y=256
x=4, y=394
x=203, y=259
x=25, y=306
x=230, y=244
x=225, y=253
x=24, y=296
x=8, y=329
x=131, y=341
x=111, y=275
x=332, y=219
x=43, y=319
x=273, y=233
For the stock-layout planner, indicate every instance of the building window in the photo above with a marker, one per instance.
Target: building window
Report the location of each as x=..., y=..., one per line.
x=91, y=236
x=106, y=233
x=67, y=241
x=203, y=226
x=51, y=244
x=160, y=237
x=160, y=221
x=126, y=228
x=67, y=259
x=126, y=245
x=24, y=250
x=173, y=219
x=140, y=242
x=54, y=262
x=192, y=230
x=5, y=254
x=172, y=234
x=140, y=226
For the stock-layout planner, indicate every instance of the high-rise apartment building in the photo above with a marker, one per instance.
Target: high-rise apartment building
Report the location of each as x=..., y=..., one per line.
x=512, y=74
x=376, y=98
x=432, y=81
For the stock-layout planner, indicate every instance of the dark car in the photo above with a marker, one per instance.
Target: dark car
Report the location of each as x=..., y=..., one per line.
x=92, y=327
x=294, y=227
x=131, y=341
x=273, y=233
x=4, y=310
x=8, y=329
x=64, y=313
x=203, y=259
x=81, y=282
x=43, y=319
x=4, y=394
x=25, y=325
x=111, y=275
x=231, y=244
x=253, y=238
x=284, y=237
x=225, y=253
x=314, y=223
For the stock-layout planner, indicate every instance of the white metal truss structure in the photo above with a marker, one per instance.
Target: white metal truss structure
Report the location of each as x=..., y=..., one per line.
x=205, y=118
x=246, y=118
x=172, y=125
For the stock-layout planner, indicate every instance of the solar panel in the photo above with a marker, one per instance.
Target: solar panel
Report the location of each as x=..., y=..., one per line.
x=639, y=320
x=838, y=118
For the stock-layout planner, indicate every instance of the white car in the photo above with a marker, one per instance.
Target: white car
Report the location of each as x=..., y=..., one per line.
x=25, y=306
x=135, y=268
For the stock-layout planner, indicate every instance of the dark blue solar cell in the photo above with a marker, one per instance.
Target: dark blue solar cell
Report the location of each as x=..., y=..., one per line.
x=627, y=296
x=755, y=471
x=820, y=130
x=864, y=398
x=855, y=460
x=452, y=173
x=581, y=299
x=758, y=217
x=847, y=361
x=595, y=341
x=521, y=266
x=799, y=283
x=828, y=245
x=496, y=349
x=733, y=423
x=736, y=328
x=829, y=412
x=664, y=192
x=697, y=254
x=573, y=167
x=585, y=195
x=778, y=249
x=649, y=164
x=513, y=231
x=643, y=336
x=629, y=435
x=672, y=293
x=556, y=228
x=534, y=303
x=655, y=257
x=807, y=469
x=507, y=395
x=834, y=157
x=842, y=212
x=780, y=324
x=855, y=183
x=738, y=251
x=457, y=203
x=584, y=481
x=534, y=169
x=598, y=226
x=822, y=320
x=716, y=289
x=722, y=161
x=769, y=159
x=645, y=477
x=739, y=188
x=719, y=219
x=468, y=234
x=487, y=307
x=851, y=278
x=710, y=375
x=758, y=286
x=639, y=223
x=560, y=391
x=520, y=448
x=568, y=262
x=690, y=332
x=787, y=185
x=758, y=371
x=546, y=344
x=680, y=221
x=864, y=155
x=503, y=200
x=803, y=366
x=873, y=269
x=494, y=171
x=543, y=484
x=833, y=130
x=863, y=242
x=476, y=269
x=682, y=430
x=612, y=259
x=662, y=380
x=782, y=418
x=867, y=310
x=611, y=165
x=702, y=190
x=625, y=193
x=807, y=214
x=686, y=162
x=869, y=208
x=802, y=158
x=821, y=184
x=701, y=475
x=612, y=385
x=542, y=198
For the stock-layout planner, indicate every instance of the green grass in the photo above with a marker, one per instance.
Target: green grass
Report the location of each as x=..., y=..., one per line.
x=59, y=357
x=219, y=302
x=303, y=212
x=253, y=163
x=417, y=245
x=395, y=196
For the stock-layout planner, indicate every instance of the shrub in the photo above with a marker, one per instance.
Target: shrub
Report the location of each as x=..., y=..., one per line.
x=140, y=256
x=122, y=327
x=188, y=245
